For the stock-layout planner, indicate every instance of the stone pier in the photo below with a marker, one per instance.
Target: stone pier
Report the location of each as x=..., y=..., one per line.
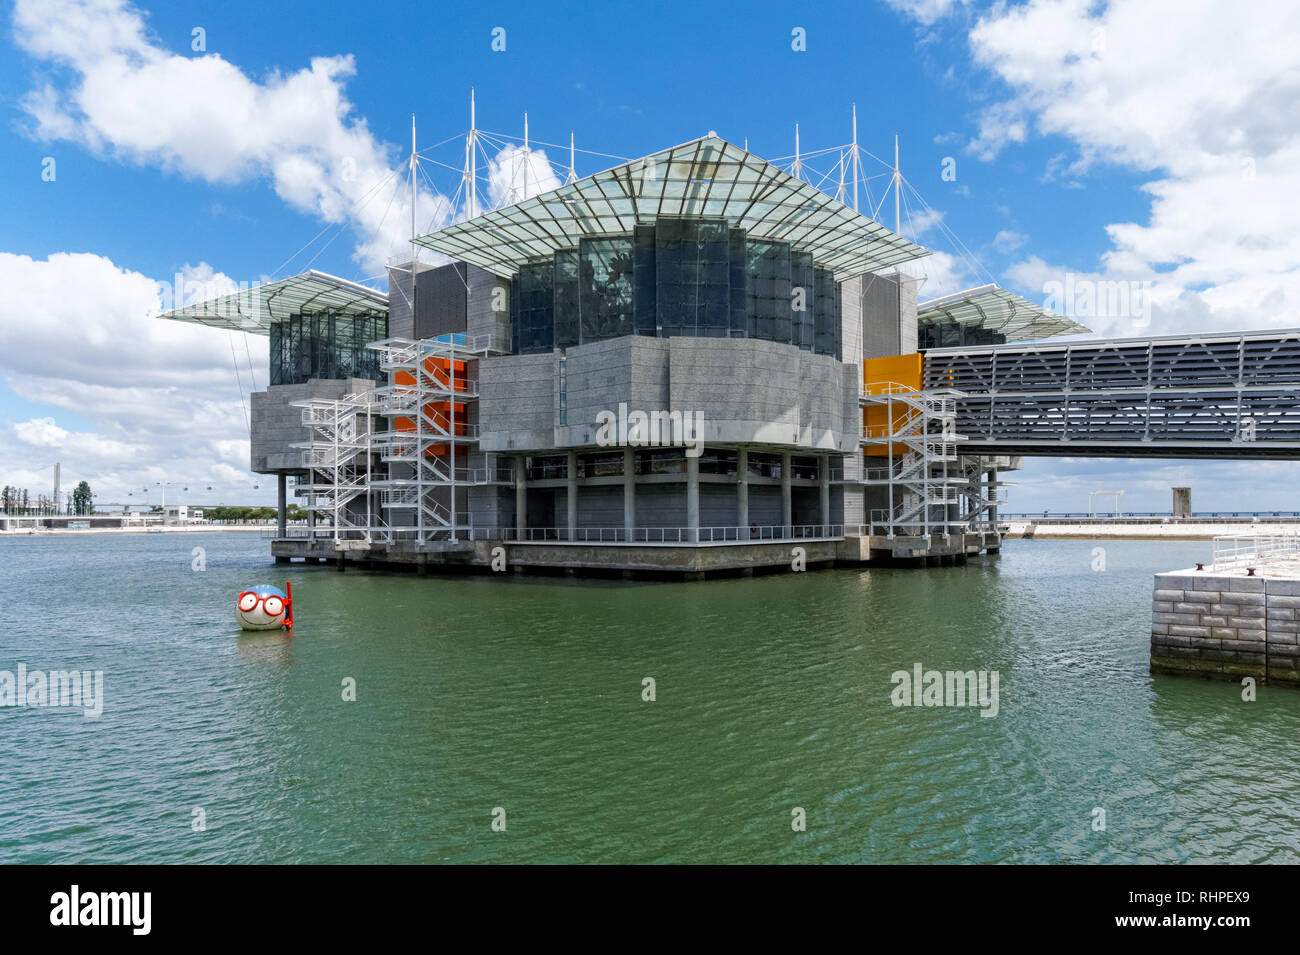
x=1228, y=623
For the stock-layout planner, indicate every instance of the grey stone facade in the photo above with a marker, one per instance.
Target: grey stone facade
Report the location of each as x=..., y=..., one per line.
x=1226, y=625
x=276, y=425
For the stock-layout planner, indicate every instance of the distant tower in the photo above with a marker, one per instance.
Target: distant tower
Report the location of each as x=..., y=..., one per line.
x=1182, y=502
x=56, y=487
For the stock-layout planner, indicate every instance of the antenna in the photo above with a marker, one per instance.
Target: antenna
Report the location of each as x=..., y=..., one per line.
x=573, y=171
x=798, y=163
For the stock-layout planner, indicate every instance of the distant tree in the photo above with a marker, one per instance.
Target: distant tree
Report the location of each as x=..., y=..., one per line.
x=82, y=499
x=7, y=498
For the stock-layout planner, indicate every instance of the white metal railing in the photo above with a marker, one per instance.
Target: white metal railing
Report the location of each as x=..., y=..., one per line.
x=1236, y=550
x=663, y=535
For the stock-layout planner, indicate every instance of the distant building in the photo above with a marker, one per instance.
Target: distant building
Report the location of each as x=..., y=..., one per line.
x=182, y=514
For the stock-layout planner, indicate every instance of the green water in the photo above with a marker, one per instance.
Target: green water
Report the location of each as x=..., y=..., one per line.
x=526, y=694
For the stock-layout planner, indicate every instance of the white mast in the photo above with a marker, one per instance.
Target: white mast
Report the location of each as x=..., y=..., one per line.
x=419, y=464
x=857, y=164
x=898, y=182
x=415, y=249
x=471, y=162
x=798, y=163
x=573, y=169
x=526, y=158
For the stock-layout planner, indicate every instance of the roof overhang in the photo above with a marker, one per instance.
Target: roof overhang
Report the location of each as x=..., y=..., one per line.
x=705, y=178
x=998, y=310
x=254, y=309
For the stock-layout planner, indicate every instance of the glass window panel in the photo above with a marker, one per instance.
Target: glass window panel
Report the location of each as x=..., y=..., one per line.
x=605, y=288
x=645, y=318
x=536, y=294
x=566, y=298
x=325, y=345
x=769, y=304
x=803, y=295
x=693, y=276
x=826, y=313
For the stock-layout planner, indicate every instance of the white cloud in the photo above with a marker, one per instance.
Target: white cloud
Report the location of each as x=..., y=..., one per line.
x=76, y=334
x=940, y=274
x=40, y=432
x=926, y=12
x=1008, y=240
x=516, y=174
x=122, y=94
x=1159, y=87
x=75, y=327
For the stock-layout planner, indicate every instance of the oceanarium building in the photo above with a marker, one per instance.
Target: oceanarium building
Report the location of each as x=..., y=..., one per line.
x=688, y=363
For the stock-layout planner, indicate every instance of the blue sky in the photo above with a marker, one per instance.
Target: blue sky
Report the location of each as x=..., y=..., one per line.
x=1087, y=138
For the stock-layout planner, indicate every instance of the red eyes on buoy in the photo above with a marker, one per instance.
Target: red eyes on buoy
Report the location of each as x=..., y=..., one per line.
x=276, y=609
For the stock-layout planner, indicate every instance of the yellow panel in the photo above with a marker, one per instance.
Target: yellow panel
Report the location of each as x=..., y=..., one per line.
x=902, y=370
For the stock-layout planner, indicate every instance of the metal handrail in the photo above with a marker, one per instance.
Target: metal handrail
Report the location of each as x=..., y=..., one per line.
x=665, y=535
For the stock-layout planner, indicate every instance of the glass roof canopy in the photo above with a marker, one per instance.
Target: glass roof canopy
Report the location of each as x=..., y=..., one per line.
x=707, y=178
x=998, y=310
x=253, y=309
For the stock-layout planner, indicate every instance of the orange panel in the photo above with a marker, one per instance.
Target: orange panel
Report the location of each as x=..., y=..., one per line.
x=877, y=373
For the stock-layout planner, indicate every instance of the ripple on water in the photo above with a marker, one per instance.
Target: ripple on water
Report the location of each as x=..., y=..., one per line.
x=771, y=693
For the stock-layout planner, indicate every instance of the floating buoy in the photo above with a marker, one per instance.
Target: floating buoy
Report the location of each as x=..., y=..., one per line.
x=264, y=607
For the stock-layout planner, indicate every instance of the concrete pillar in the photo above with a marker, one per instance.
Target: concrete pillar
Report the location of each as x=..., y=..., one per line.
x=629, y=492
x=953, y=508
x=311, y=517
x=787, y=507
x=571, y=509
x=692, y=499
x=742, y=493
x=993, y=496
x=521, y=496
x=282, y=504
x=824, y=474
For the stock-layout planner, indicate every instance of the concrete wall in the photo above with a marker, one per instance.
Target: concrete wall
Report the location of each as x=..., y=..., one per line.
x=401, y=320
x=880, y=311
x=517, y=399
x=1229, y=626
x=276, y=425
x=907, y=314
x=851, y=319
x=482, y=318
x=747, y=391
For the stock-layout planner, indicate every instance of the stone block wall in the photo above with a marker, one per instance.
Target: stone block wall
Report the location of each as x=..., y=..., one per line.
x=1226, y=625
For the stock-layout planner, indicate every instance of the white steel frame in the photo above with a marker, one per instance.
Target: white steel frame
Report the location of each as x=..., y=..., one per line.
x=922, y=423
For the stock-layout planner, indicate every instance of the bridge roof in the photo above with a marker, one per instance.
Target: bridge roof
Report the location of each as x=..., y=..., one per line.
x=253, y=309
x=707, y=178
x=998, y=310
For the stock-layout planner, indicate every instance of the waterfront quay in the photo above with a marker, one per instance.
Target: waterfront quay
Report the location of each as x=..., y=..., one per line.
x=588, y=555
x=1229, y=621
